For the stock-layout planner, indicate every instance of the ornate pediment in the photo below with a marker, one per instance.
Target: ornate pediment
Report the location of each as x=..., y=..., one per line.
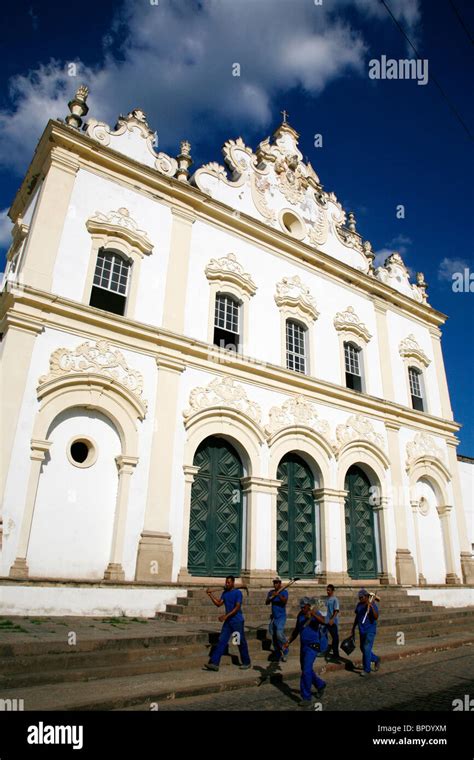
x=292, y=293
x=228, y=269
x=422, y=445
x=120, y=224
x=348, y=321
x=409, y=349
x=296, y=411
x=357, y=427
x=222, y=392
x=98, y=359
x=395, y=274
x=133, y=137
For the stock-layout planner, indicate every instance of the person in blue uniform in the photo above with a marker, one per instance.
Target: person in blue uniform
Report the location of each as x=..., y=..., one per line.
x=278, y=599
x=332, y=621
x=233, y=623
x=366, y=616
x=313, y=640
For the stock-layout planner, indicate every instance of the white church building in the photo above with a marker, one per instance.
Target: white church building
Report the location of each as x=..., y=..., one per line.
x=203, y=374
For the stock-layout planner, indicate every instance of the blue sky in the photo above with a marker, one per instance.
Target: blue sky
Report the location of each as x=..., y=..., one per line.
x=385, y=142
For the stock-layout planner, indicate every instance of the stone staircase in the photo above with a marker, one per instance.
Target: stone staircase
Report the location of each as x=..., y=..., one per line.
x=398, y=611
x=163, y=659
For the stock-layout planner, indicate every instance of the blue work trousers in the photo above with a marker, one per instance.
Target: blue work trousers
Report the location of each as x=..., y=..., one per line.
x=308, y=676
x=366, y=644
x=228, y=628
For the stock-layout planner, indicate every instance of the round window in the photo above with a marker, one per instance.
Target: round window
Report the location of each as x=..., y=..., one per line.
x=293, y=224
x=82, y=452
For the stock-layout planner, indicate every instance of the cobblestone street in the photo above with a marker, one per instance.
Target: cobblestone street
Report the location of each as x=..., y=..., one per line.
x=420, y=683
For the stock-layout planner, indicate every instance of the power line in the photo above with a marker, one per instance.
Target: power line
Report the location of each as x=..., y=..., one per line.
x=459, y=18
x=452, y=107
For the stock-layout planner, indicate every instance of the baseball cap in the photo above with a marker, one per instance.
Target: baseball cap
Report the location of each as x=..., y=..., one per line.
x=363, y=592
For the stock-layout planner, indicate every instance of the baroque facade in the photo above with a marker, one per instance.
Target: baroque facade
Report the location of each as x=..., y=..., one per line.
x=204, y=373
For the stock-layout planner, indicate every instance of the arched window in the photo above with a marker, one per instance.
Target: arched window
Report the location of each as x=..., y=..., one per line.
x=227, y=322
x=111, y=282
x=415, y=377
x=296, y=350
x=353, y=364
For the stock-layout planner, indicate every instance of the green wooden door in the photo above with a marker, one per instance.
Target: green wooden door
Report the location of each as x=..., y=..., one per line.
x=296, y=535
x=215, y=531
x=360, y=529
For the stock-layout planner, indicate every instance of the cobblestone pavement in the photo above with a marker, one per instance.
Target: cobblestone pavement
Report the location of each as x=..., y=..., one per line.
x=423, y=682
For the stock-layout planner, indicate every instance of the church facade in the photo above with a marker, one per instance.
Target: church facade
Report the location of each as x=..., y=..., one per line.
x=204, y=373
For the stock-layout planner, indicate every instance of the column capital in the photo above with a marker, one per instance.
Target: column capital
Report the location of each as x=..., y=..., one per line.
x=379, y=305
x=39, y=449
x=444, y=510
x=263, y=485
x=435, y=332
x=329, y=494
x=170, y=363
x=126, y=464
x=63, y=159
x=183, y=214
x=392, y=425
x=415, y=504
x=382, y=504
x=190, y=471
x=21, y=322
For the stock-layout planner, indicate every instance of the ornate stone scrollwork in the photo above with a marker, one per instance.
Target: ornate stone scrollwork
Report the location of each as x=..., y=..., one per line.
x=120, y=224
x=228, y=268
x=422, y=445
x=136, y=123
x=409, y=349
x=357, y=427
x=348, y=321
x=296, y=411
x=291, y=292
x=222, y=392
x=99, y=358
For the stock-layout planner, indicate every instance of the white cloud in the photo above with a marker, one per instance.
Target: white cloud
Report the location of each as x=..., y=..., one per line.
x=448, y=267
x=177, y=66
x=399, y=243
x=5, y=229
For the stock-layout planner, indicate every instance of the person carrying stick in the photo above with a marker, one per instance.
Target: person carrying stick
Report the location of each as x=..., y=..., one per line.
x=233, y=623
x=366, y=616
x=278, y=598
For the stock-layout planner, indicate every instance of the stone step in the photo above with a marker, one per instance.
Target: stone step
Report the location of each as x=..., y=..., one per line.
x=122, y=692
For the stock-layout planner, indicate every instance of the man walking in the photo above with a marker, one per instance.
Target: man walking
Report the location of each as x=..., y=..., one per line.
x=233, y=625
x=332, y=621
x=366, y=616
x=278, y=599
x=313, y=640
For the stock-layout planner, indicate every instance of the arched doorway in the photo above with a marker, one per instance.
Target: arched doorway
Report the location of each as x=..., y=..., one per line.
x=296, y=533
x=360, y=526
x=215, y=530
x=73, y=520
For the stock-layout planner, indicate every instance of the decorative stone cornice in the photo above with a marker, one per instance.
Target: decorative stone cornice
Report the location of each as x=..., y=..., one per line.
x=100, y=359
x=120, y=224
x=348, y=321
x=357, y=427
x=222, y=392
x=228, y=269
x=423, y=445
x=409, y=349
x=295, y=412
x=292, y=293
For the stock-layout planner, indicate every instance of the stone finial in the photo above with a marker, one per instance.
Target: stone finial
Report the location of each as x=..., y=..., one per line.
x=351, y=221
x=184, y=161
x=78, y=107
x=422, y=285
x=369, y=255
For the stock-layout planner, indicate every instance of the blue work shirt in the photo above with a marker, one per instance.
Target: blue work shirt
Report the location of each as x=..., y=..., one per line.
x=370, y=622
x=231, y=598
x=309, y=634
x=278, y=606
x=332, y=604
